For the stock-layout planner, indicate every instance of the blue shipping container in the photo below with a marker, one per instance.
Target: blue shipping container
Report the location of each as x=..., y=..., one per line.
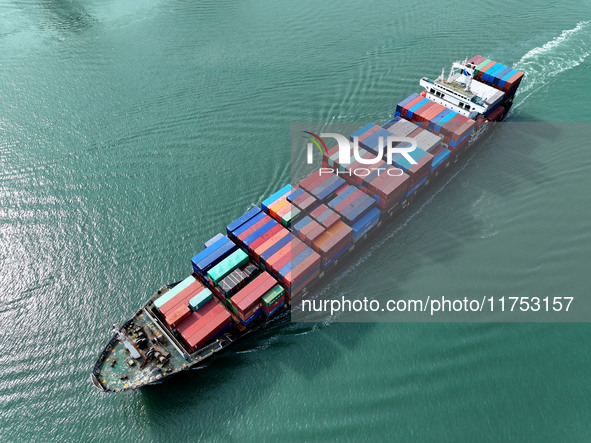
x=507, y=76
x=330, y=180
x=401, y=162
x=214, y=258
x=372, y=142
x=415, y=187
x=434, y=120
x=301, y=224
x=242, y=219
x=391, y=122
x=408, y=99
x=294, y=262
x=362, y=131
x=265, y=204
x=357, y=209
x=365, y=223
x=250, y=223
x=302, y=279
x=275, y=309
x=212, y=240
x=443, y=121
x=417, y=106
x=295, y=194
x=501, y=74
x=336, y=256
x=210, y=249
x=251, y=318
x=339, y=198
x=328, y=191
x=440, y=158
x=256, y=234
x=284, y=241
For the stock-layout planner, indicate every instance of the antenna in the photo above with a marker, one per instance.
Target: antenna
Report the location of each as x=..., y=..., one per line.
x=451, y=73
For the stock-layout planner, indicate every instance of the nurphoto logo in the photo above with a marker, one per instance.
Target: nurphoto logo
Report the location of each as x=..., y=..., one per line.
x=391, y=144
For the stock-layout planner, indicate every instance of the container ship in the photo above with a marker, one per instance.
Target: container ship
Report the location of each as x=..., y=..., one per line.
x=246, y=277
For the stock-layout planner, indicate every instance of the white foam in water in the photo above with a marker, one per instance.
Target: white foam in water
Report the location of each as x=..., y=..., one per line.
x=541, y=64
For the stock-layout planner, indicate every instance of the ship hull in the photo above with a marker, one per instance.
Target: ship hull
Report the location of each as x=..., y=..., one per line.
x=224, y=341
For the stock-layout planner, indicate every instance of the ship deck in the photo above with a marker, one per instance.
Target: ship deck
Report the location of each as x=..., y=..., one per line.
x=455, y=87
x=115, y=374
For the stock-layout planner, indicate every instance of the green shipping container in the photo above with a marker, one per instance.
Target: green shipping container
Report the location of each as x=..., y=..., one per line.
x=482, y=65
x=272, y=295
x=235, y=260
x=174, y=291
x=291, y=215
x=200, y=299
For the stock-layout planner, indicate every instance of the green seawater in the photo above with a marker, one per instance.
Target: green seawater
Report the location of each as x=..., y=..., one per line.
x=131, y=132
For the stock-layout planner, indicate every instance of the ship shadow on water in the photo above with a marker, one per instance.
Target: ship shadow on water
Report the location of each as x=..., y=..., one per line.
x=233, y=383
x=238, y=379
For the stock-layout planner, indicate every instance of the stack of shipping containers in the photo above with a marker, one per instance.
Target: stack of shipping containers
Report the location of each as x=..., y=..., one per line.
x=274, y=251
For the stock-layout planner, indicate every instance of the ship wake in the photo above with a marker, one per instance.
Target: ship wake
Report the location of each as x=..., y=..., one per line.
x=562, y=53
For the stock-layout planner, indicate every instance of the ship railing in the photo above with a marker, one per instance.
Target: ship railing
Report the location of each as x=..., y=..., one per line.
x=175, y=343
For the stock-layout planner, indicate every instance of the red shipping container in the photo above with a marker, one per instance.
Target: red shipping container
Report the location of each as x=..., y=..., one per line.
x=281, y=197
x=450, y=129
x=278, y=256
x=177, y=316
x=419, y=114
x=311, y=232
x=301, y=285
x=248, y=298
x=421, y=170
x=304, y=201
x=513, y=82
x=350, y=176
x=307, y=204
x=434, y=110
x=314, y=180
x=336, y=245
x=416, y=132
x=277, y=206
x=369, y=132
x=410, y=105
x=199, y=318
x=209, y=330
x=272, y=241
x=319, y=210
x=437, y=150
x=342, y=189
x=390, y=189
x=325, y=216
x=254, y=246
x=460, y=146
x=348, y=200
x=300, y=198
x=362, y=170
x=181, y=298
x=476, y=60
x=465, y=128
x=297, y=247
x=254, y=228
x=303, y=269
